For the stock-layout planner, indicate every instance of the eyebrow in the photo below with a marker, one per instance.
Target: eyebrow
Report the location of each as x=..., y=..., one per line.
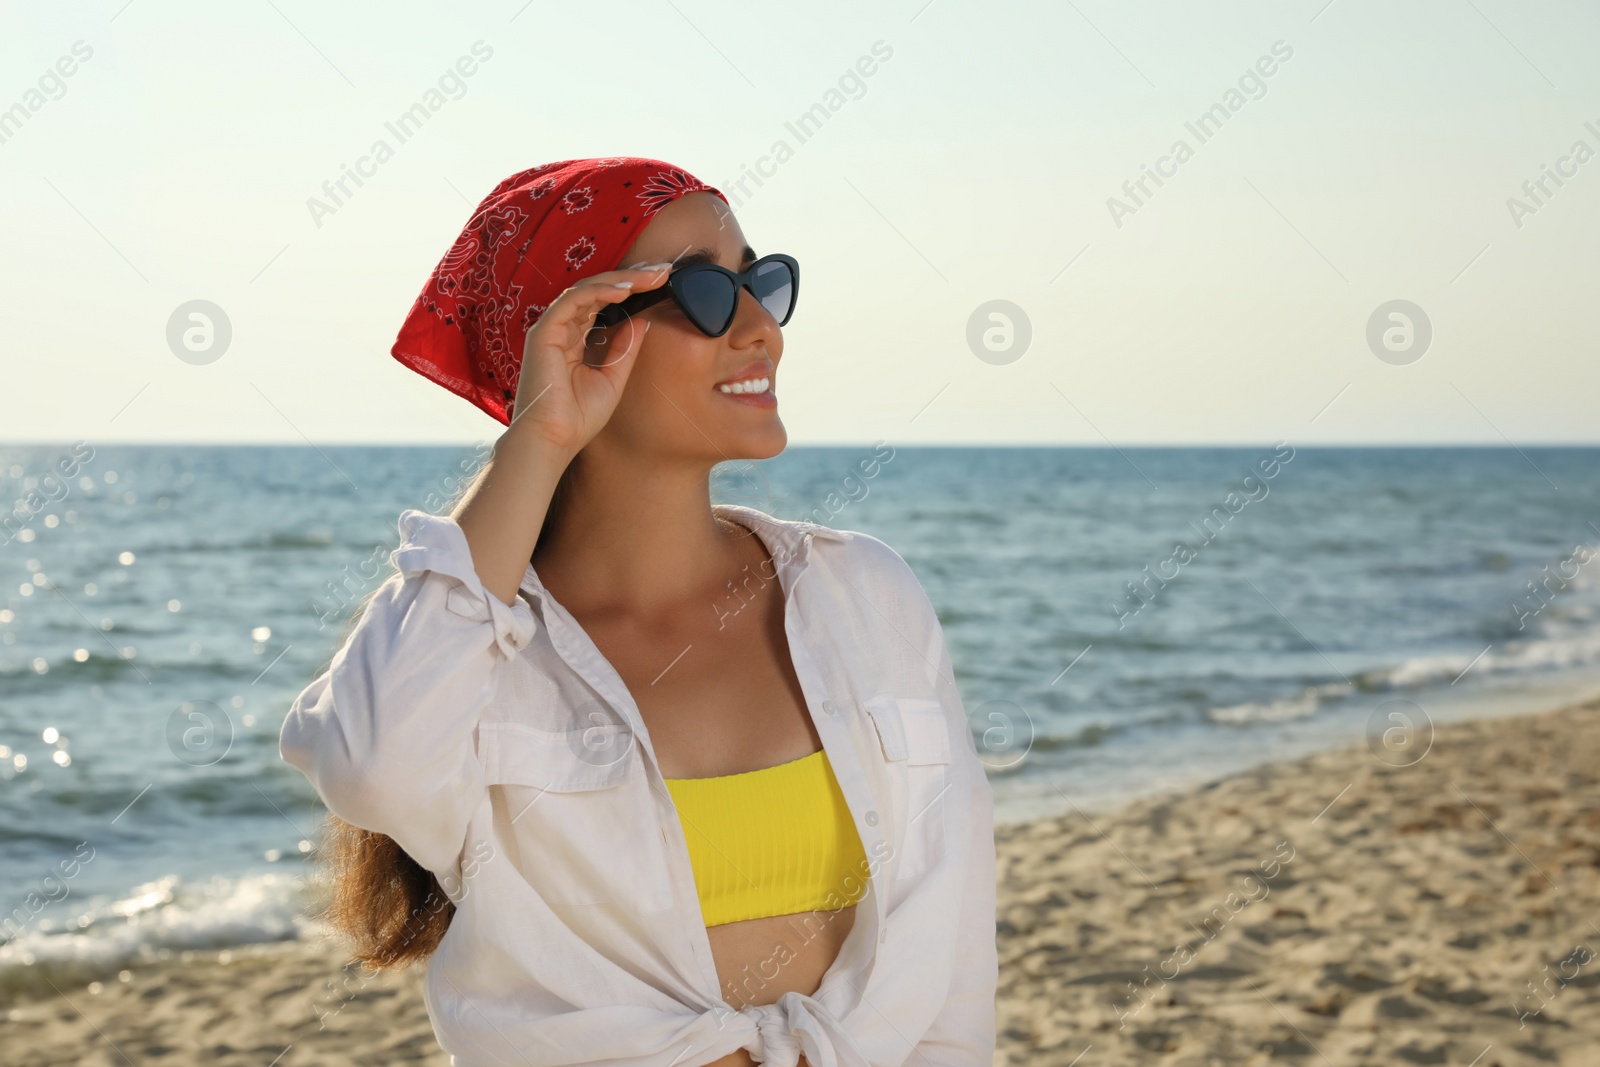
x=707, y=255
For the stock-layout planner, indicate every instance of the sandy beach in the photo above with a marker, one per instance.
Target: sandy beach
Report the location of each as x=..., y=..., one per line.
x=1330, y=910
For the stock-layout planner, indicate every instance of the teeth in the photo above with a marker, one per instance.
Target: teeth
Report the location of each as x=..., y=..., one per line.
x=749, y=385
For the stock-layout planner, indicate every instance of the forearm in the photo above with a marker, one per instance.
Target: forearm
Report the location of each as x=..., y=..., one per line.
x=504, y=508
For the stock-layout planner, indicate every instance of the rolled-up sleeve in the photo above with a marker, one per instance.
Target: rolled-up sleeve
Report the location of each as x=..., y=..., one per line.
x=963, y=1033
x=387, y=734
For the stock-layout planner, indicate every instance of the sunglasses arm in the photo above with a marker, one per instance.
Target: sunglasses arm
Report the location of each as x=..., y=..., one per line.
x=613, y=314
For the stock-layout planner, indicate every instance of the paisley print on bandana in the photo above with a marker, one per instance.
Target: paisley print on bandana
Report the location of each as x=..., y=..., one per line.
x=533, y=236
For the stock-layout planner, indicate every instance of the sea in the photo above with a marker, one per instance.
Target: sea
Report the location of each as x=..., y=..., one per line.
x=1122, y=622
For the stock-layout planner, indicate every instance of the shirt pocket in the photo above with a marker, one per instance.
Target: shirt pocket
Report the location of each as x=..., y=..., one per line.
x=915, y=740
x=575, y=812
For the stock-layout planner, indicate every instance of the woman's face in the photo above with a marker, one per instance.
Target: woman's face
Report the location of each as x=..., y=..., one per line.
x=671, y=404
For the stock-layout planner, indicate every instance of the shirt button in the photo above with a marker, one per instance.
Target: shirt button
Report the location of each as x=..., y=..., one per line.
x=827, y=707
x=872, y=818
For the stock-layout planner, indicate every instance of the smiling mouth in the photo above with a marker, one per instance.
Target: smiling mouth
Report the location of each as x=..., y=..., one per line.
x=748, y=385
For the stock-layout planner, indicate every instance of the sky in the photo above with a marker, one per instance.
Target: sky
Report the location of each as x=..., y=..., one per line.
x=1383, y=234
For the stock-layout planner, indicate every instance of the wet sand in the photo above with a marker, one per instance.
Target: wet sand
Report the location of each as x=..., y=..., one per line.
x=1331, y=910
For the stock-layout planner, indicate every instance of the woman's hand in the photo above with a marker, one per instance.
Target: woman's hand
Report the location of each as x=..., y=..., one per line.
x=562, y=401
x=569, y=384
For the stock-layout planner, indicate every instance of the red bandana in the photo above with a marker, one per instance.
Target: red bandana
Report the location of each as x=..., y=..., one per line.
x=534, y=235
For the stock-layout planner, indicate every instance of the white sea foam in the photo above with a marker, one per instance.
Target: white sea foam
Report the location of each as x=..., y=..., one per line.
x=1574, y=648
x=1549, y=653
x=159, y=917
x=1301, y=707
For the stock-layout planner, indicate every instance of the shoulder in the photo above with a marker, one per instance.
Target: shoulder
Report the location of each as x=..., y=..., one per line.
x=858, y=551
x=876, y=573
x=863, y=566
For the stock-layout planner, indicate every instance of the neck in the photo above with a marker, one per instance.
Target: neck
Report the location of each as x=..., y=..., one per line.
x=636, y=538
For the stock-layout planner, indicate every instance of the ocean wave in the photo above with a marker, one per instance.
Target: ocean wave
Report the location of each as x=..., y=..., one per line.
x=1580, y=649
x=964, y=516
x=1087, y=737
x=23, y=677
x=312, y=539
x=1286, y=709
x=1301, y=707
x=1550, y=653
x=153, y=919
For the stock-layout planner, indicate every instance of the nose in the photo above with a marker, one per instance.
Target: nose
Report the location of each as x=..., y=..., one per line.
x=753, y=325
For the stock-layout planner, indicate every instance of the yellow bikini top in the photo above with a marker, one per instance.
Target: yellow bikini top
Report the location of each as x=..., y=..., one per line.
x=771, y=841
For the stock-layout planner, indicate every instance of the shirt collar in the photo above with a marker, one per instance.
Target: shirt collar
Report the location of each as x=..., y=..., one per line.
x=787, y=539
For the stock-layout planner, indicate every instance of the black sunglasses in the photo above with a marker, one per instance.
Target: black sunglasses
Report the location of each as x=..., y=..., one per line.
x=709, y=294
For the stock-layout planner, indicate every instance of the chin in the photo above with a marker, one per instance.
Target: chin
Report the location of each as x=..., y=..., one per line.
x=766, y=444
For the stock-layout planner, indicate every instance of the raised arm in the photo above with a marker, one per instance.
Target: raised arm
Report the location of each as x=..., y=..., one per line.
x=387, y=733
x=566, y=392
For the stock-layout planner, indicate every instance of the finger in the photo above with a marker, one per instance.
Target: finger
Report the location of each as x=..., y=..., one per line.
x=628, y=356
x=620, y=349
x=586, y=298
x=622, y=367
x=640, y=278
x=574, y=310
x=646, y=268
x=627, y=274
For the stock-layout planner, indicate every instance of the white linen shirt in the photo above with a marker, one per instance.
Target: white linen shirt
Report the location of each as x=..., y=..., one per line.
x=498, y=747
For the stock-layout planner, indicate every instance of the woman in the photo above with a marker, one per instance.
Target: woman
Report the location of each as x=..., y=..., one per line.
x=696, y=782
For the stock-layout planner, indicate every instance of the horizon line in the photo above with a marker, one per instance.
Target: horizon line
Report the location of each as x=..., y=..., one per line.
x=1083, y=446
